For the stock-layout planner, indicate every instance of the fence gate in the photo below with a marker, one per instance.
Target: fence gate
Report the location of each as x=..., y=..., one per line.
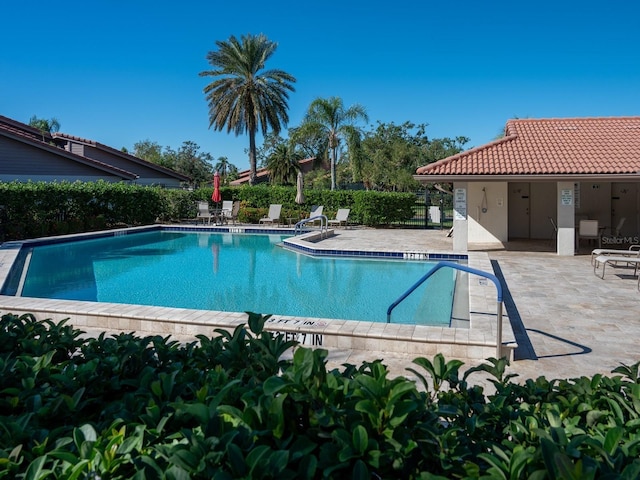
x=429, y=211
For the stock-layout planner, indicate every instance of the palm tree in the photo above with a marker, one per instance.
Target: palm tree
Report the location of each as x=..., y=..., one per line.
x=244, y=97
x=45, y=125
x=283, y=165
x=329, y=118
x=224, y=168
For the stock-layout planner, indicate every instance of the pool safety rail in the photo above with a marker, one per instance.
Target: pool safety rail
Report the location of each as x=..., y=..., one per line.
x=463, y=268
x=324, y=224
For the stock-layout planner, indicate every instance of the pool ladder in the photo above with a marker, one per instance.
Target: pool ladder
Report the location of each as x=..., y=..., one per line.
x=324, y=224
x=464, y=268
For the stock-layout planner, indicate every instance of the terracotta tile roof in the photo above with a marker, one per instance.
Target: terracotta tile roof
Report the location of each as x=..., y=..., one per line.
x=557, y=146
x=262, y=174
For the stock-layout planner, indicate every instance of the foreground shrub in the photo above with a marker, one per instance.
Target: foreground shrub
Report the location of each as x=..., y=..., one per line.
x=235, y=406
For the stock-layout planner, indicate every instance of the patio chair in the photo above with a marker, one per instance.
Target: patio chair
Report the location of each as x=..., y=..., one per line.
x=616, y=231
x=632, y=251
x=274, y=214
x=613, y=260
x=589, y=229
x=341, y=217
x=235, y=210
x=225, y=211
x=554, y=233
x=204, y=213
x=316, y=211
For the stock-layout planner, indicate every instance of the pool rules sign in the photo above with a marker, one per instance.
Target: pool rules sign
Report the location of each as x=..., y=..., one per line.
x=460, y=204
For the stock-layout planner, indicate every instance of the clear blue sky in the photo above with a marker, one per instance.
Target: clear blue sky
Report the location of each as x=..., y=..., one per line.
x=122, y=71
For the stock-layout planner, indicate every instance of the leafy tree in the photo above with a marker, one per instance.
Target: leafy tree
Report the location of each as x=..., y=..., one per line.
x=189, y=161
x=244, y=97
x=392, y=153
x=151, y=152
x=283, y=165
x=329, y=119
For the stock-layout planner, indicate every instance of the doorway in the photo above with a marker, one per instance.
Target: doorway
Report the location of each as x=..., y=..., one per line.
x=519, y=211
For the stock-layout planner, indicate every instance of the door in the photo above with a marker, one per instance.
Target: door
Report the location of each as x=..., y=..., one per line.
x=519, y=210
x=624, y=204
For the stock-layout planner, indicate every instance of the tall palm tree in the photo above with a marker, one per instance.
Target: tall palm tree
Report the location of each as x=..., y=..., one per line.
x=283, y=165
x=329, y=118
x=244, y=97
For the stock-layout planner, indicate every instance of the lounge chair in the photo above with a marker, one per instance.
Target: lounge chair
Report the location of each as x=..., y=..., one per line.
x=613, y=260
x=341, y=217
x=316, y=211
x=232, y=214
x=225, y=211
x=633, y=251
x=204, y=213
x=274, y=214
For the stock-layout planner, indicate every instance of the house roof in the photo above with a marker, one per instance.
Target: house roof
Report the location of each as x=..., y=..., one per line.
x=119, y=153
x=262, y=174
x=32, y=136
x=570, y=148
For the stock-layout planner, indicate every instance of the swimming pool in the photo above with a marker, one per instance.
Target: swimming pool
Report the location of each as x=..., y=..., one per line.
x=234, y=272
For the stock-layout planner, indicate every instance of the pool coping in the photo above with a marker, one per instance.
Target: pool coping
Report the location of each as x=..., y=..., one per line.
x=477, y=342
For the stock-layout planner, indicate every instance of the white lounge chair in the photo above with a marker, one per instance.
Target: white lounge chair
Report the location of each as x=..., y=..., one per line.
x=225, y=211
x=233, y=213
x=204, y=213
x=274, y=214
x=342, y=216
x=633, y=251
x=613, y=260
x=316, y=211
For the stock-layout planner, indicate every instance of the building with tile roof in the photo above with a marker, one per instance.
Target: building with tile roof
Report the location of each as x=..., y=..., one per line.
x=546, y=173
x=28, y=154
x=262, y=174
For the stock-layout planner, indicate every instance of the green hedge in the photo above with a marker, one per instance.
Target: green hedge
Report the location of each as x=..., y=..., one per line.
x=29, y=210
x=231, y=406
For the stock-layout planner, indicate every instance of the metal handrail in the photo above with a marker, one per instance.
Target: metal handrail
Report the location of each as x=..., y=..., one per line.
x=324, y=224
x=464, y=268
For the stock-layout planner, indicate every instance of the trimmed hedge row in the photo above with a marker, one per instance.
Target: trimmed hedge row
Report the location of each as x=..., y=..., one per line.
x=231, y=406
x=29, y=210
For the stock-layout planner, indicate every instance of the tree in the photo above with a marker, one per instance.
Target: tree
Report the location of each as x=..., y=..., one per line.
x=225, y=169
x=150, y=151
x=283, y=165
x=49, y=126
x=244, y=97
x=329, y=118
x=190, y=162
x=392, y=153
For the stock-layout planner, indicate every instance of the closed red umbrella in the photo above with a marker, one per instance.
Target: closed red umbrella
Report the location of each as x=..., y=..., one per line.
x=216, y=196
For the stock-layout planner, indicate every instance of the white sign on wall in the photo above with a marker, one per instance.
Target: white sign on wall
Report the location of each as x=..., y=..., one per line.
x=566, y=197
x=460, y=204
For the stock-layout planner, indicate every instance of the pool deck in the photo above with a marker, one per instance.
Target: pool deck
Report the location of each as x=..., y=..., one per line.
x=566, y=321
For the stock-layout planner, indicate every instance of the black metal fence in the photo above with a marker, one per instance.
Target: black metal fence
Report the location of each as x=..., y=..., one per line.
x=432, y=209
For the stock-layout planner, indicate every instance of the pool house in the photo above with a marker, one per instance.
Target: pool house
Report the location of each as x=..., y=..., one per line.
x=541, y=179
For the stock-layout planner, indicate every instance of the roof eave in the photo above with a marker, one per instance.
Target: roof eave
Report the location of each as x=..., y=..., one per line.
x=602, y=177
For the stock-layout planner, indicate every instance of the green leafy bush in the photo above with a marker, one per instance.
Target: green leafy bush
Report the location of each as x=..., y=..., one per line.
x=31, y=210
x=237, y=405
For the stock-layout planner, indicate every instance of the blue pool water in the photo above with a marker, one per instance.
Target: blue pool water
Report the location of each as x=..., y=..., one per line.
x=236, y=273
